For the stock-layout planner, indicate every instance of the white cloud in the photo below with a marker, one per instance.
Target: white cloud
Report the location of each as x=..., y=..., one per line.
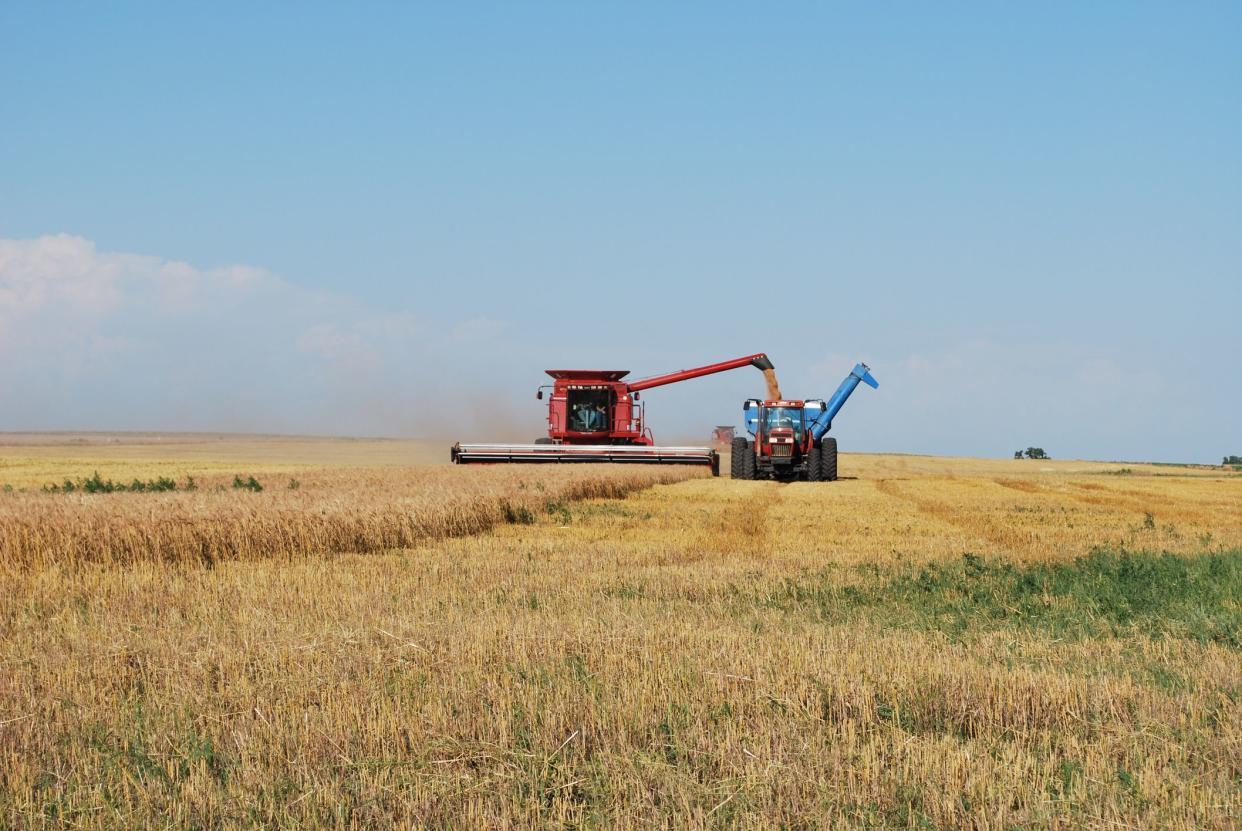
x=65, y=279
x=50, y=271
x=97, y=339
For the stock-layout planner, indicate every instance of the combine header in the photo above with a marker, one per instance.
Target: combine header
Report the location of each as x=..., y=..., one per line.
x=596, y=416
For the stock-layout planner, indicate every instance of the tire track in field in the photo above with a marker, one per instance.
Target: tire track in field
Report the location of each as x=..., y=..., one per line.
x=1129, y=501
x=1062, y=491
x=973, y=522
x=740, y=523
x=1020, y=485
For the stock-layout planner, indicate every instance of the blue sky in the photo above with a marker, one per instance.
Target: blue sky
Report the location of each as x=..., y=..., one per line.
x=390, y=219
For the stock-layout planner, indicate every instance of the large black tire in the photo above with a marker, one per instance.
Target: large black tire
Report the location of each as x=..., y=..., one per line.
x=749, y=467
x=828, y=460
x=814, y=465
x=737, y=453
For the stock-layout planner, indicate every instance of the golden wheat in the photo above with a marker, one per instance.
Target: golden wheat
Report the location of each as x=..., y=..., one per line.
x=683, y=657
x=352, y=510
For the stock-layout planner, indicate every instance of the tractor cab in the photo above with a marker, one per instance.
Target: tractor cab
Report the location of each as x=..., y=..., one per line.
x=783, y=419
x=781, y=428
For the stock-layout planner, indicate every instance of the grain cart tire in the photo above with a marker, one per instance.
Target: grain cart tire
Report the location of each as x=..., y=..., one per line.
x=814, y=465
x=748, y=462
x=737, y=453
x=828, y=460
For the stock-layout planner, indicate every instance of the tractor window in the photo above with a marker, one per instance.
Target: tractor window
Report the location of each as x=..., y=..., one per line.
x=588, y=411
x=790, y=417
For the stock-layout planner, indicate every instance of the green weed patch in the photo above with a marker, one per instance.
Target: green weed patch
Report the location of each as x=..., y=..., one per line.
x=97, y=484
x=1106, y=593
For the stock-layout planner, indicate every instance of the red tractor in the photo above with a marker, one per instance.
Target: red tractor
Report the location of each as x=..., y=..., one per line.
x=790, y=440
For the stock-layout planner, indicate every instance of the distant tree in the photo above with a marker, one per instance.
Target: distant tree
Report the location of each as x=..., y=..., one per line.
x=1017, y=454
x=1232, y=460
x=1036, y=453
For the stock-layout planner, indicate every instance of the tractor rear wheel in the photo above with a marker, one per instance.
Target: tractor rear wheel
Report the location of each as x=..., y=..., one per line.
x=828, y=460
x=737, y=454
x=814, y=465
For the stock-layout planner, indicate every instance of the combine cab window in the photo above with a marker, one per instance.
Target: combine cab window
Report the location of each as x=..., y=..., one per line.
x=790, y=417
x=588, y=411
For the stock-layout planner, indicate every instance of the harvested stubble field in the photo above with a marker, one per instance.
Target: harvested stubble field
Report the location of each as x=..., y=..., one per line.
x=935, y=643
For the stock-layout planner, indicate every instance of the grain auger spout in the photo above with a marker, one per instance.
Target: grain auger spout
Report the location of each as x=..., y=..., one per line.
x=823, y=422
x=595, y=415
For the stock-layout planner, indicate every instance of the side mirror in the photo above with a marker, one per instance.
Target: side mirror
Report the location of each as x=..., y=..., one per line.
x=635, y=396
x=539, y=394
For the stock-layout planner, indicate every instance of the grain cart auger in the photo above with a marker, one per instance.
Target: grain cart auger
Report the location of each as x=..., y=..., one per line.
x=595, y=416
x=790, y=437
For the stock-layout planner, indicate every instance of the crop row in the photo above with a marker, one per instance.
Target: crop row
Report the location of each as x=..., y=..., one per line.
x=340, y=510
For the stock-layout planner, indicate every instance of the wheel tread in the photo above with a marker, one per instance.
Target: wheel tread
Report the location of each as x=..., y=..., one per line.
x=828, y=460
x=814, y=465
x=749, y=470
x=737, y=456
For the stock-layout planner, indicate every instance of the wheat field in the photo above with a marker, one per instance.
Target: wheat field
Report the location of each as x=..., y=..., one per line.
x=928, y=643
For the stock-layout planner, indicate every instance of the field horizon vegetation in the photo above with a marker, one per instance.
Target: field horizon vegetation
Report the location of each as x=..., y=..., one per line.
x=374, y=638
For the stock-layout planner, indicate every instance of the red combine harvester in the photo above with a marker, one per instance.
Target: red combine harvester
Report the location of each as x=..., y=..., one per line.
x=596, y=416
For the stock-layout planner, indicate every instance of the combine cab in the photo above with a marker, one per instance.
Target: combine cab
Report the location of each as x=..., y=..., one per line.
x=597, y=416
x=790, y=437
